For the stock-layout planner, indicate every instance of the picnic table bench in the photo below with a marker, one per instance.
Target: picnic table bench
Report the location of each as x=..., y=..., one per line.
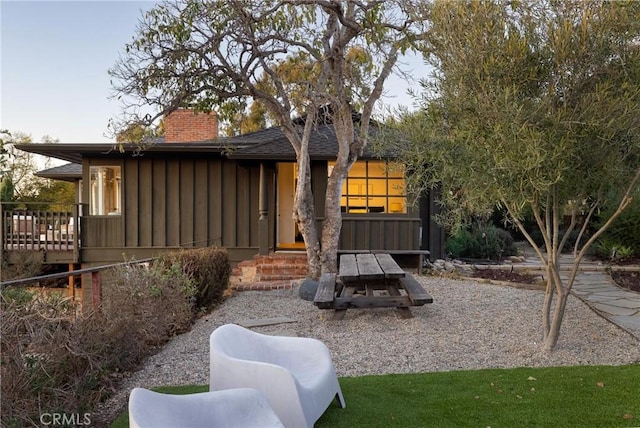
x=369, y=281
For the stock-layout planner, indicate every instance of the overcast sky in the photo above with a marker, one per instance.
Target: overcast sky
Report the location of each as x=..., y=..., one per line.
x=54, y=58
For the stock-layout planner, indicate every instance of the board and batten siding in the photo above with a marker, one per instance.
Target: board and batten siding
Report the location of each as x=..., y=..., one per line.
x=179, y=202
x=380, y=233
x=190, y=203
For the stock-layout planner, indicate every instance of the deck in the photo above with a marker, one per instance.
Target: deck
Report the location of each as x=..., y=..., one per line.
x=55, y=234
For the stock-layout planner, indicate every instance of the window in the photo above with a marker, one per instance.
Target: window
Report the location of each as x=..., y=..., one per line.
x=105, y=191
x=373, y=187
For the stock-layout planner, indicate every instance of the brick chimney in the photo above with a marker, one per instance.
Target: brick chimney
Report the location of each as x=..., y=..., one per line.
x=185, y=125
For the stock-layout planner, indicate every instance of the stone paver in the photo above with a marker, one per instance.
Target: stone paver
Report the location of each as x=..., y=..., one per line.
x=613, y=310
x=594, y=286
x=622, y=307
x=630, y=324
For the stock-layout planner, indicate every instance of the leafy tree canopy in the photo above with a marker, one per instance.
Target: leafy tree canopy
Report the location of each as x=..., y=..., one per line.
x=218, y=55
x=291, y=71
x=535, y=106
x=19, y=184
x=528, y=97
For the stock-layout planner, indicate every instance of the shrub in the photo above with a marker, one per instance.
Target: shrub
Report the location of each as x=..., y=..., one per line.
x=481, y=241
x=625, y=230
x=537, y=237
x=28, y=264
x=209, y=269
x=47, y=365
x=53, y=361
x=606, y=248
x=156, y=299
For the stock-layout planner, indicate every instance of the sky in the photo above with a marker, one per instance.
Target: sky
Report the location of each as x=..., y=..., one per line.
x=54, y=59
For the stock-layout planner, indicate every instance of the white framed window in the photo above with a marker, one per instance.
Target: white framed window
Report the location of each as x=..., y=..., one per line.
x=105, y=191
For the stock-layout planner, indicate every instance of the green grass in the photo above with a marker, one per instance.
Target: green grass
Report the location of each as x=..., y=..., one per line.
x=582, y=396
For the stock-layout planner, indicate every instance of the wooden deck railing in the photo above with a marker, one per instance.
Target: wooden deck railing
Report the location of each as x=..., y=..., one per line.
x=37, y=227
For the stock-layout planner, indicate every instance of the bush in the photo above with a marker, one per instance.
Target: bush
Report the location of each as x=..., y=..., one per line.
x=605, y=248
x=625, y=230
x=53, y=360
x=29, y=263
x=156, y=299
x=537, y=237
x=50, y=363
x=481, y=241
x=209, y=269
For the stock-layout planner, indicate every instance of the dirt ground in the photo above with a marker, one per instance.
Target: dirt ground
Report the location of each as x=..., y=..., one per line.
x=506, y=275
x=628, y=280
x=625, y=279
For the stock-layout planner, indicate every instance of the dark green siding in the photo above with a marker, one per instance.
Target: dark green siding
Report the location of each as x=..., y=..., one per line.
x=380, y=233
x=178, y=202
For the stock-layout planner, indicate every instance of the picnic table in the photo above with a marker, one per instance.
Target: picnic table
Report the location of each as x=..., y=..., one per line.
x=369, y=281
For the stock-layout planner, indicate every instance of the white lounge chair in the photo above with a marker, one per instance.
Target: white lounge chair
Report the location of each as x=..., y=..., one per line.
x=233, y=408
x=295, y=374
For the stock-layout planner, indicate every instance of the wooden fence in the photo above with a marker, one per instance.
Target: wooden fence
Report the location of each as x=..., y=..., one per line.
x=96, y=280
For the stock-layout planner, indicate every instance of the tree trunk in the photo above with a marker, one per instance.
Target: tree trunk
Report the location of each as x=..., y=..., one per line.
x=546, y=305
x=332, y=219
x=305, y=217
x=551, y=338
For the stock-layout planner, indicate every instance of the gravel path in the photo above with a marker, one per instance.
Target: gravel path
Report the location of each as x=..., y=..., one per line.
x=470, y=325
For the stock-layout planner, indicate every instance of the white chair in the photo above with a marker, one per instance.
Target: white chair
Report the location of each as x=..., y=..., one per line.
x=233, y=408
x=295, y=374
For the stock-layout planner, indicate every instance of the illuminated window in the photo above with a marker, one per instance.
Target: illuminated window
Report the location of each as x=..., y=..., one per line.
x=373, y=187
x=105, y=191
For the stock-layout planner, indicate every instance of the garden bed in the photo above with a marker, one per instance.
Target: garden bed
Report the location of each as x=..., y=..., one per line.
x=506, y=275
x=629, y=280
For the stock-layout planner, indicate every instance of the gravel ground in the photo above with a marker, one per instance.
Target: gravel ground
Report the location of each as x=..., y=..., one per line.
x=470, y=325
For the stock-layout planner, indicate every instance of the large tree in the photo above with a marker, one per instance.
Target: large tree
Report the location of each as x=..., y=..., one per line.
x=18, y=167
x=216, y=55
x=534, y=105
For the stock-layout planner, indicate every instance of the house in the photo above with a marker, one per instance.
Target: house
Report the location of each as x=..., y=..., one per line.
x=193, y=189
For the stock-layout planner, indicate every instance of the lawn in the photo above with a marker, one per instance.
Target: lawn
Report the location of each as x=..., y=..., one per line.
x=580, y=396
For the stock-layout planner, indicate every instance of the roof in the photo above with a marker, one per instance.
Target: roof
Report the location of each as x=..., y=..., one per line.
x=66, y=172
x=270, y=143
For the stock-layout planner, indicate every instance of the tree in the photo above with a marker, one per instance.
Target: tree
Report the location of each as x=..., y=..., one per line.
x=4, y=136
x=54, y=195
x=532, y=105
x=19, y=168
x=291, y=71
x=245, y=122
x=6, y=189
x=137, y=132
x=218, y=54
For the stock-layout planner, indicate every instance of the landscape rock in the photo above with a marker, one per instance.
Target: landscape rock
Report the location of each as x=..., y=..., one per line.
x=308, y=289
x=449, y=267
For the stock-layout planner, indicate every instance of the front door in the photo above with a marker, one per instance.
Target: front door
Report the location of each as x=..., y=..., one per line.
x=286, y=230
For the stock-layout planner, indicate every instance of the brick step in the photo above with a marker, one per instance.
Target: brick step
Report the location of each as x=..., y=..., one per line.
x=283, y=259
x=272, y=267
x=271, y=278
x=265, y=268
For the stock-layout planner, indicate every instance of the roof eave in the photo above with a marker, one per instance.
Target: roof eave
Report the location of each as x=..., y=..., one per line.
x=61, y=177
x=75, y=152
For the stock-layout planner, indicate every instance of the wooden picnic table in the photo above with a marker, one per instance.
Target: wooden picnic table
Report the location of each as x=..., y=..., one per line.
x=369, y=281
